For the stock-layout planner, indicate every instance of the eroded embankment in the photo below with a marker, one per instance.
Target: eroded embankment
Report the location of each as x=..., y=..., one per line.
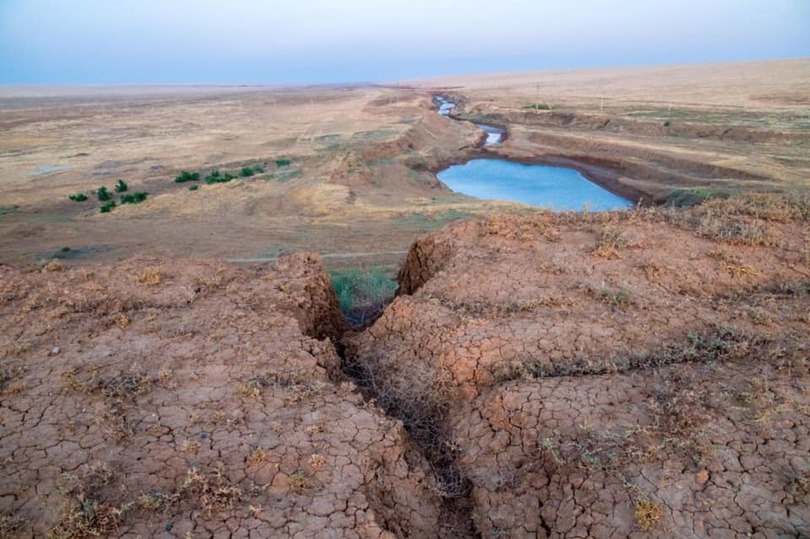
x=609, y=375
x=193, y=398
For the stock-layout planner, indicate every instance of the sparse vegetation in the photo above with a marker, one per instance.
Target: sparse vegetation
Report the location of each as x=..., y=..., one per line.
x=186, y=176
x=78, y=197
x=648, y=514
x=134, y=198
x=215, y=176
x=121, y=186
x=538, y=106
x=693, y=196
x=298, y=481
x=357, y=287
x=103, y=194
x=150, y=276
x=298, y=387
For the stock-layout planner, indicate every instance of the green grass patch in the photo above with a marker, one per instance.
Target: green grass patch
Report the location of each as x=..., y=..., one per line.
x=186, y=176
x=358, y=288
x=134, y=198
x=121, y=186
x=215, y=176
x=288, y=175
x=434, y=220
x=78, y=197
x=103, y=194
x=107, y=207
x=681, y=198
x=5, y=210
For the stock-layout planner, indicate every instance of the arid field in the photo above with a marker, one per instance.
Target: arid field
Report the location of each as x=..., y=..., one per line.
x=361, y=158
x=180, y=366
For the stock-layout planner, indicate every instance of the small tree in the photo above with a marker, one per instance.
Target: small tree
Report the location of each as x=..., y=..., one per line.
x=121, y=186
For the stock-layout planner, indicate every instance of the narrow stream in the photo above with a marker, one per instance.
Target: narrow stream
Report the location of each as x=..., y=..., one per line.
x=495, y=135
x=556, y=188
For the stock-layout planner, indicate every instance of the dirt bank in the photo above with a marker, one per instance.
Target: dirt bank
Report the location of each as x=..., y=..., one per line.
x=610, y=375
x=635, y=374
x=192, y=398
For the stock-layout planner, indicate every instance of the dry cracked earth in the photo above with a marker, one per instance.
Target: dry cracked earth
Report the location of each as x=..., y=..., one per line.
x=631, y=374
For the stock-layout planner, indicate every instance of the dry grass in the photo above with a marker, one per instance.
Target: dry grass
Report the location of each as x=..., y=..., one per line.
x=648, y=514
x=212, y=492
x=609, y=242
x=297, y=385
x=150, y=277
x=84, y=513
x=298, y=481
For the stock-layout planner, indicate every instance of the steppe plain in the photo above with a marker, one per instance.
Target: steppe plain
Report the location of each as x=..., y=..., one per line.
x=624, y=374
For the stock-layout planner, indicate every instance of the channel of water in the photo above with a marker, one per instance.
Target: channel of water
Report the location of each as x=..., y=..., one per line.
x=545, y=186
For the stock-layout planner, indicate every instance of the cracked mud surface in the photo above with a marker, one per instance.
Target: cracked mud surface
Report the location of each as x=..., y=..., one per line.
x=156, y=398
x=636, y=374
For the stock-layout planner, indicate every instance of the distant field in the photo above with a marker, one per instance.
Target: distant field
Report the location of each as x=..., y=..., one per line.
x=359, y=178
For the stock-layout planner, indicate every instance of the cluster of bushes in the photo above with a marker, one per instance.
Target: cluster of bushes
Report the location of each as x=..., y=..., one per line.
x=217, y=176
x=104, y=195
x=186, y=176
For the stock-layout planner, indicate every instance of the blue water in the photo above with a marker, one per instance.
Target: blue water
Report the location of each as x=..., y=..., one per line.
x=543, y=186
x=494, y=134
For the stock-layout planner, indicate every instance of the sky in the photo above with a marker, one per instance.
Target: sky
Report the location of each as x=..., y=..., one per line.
x=337, y=41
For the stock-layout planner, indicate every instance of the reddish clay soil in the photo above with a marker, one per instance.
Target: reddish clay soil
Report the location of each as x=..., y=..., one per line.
x=193, y=398
x=611, y=375
x=638, y=374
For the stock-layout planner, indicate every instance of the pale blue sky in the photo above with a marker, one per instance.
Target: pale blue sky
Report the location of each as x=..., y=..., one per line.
x=317, y=41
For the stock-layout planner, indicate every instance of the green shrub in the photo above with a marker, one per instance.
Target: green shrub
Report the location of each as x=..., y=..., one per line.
x=258, y=169
x=186, y=176
x=78, y=197
x=693, y=196
x=121, y=186
x=218, y=177
x=246, y=172
x=134, y=198
x=283, y=162
x=107, y=207
x=193, y=187
x=667, y=123
x=103, y=195
x=538, y=106
x=358, y=288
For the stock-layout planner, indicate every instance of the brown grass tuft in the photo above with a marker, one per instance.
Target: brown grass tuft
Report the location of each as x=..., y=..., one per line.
x=150, y=276
x=648, y=514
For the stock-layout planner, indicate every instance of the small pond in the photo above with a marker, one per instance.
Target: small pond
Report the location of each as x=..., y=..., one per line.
x=544, y=186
